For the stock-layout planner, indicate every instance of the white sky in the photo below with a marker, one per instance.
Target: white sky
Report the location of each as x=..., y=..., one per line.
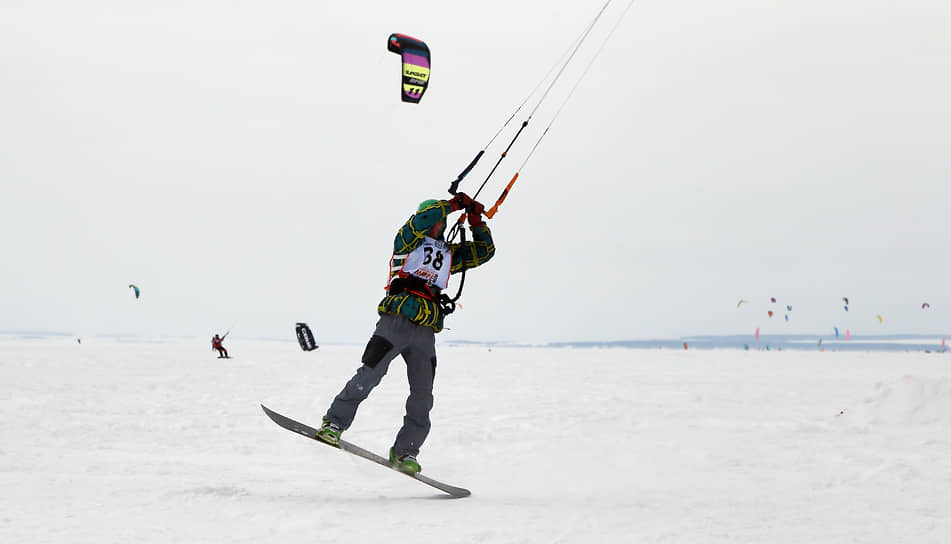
x=251, y=162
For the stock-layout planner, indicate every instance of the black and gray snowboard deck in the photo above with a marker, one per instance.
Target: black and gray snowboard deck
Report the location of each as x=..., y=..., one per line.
x=310, y=432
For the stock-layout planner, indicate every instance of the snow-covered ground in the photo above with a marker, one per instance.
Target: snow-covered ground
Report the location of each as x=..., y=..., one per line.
x=112, y=441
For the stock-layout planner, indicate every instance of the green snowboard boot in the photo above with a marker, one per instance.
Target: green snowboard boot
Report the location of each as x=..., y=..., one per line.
x=329, y=433
x=406, y=463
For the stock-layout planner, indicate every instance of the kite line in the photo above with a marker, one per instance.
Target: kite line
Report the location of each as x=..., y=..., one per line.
x=458, y=229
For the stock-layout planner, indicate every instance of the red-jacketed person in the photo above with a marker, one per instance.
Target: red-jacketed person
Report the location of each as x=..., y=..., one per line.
x=217, y=343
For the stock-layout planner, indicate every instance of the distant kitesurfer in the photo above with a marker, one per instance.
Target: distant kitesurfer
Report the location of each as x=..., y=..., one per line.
x=217, y=343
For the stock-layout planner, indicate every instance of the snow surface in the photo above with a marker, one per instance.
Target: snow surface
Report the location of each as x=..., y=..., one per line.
x=112, y=441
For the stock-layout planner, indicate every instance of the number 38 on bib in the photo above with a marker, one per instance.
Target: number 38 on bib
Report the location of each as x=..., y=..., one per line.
x=431, y=262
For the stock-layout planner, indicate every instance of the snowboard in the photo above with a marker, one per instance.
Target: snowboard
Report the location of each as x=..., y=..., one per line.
x=310, y=432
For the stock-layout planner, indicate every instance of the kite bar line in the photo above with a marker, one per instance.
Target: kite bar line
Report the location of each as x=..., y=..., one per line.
x=229, y=330
x=554, y=80
x=450, y=305
x=453, y=188
x=505, y=192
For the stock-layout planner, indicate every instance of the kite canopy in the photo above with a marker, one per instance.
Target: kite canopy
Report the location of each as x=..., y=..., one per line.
x=136, y=289
x=305, y=337
x=925, y=305
x=415, y=56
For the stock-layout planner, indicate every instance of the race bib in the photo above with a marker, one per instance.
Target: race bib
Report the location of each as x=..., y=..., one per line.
x=431, y=262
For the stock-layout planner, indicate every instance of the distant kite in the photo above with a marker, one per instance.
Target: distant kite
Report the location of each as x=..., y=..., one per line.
x=836, y=331
x=788, y=308
x=772, y=299
x=846, y=300
x=740, y=302
x=879, y=318
x=136, y=289
x=415, y=57
x=757, y=333
x=787, y=317
x=925, y=305
x=770, y=313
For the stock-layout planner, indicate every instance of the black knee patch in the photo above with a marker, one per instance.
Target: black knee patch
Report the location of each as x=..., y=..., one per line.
x=377, y=347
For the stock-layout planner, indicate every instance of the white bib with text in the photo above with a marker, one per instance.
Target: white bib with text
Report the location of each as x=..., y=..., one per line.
x=431, y=262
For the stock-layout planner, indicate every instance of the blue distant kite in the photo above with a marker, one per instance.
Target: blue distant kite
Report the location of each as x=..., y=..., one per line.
x=136, y=289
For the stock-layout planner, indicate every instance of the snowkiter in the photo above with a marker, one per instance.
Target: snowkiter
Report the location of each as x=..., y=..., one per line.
x=217, y=343
x=410, y=317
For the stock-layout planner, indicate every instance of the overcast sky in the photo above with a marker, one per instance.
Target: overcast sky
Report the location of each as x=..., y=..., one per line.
x=250, y=162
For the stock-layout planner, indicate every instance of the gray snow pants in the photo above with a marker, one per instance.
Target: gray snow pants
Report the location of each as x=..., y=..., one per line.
x=394, y=335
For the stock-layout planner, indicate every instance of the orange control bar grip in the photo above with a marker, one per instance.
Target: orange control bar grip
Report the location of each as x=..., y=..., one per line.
x=505, y=193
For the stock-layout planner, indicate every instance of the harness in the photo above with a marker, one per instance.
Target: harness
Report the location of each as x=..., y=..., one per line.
x=424, y=272
x=419, y=287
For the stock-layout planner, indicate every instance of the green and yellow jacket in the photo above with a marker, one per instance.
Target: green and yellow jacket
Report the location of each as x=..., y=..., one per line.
x=424, y=310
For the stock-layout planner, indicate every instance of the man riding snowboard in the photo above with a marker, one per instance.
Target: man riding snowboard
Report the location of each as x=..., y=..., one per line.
x=410, y=316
